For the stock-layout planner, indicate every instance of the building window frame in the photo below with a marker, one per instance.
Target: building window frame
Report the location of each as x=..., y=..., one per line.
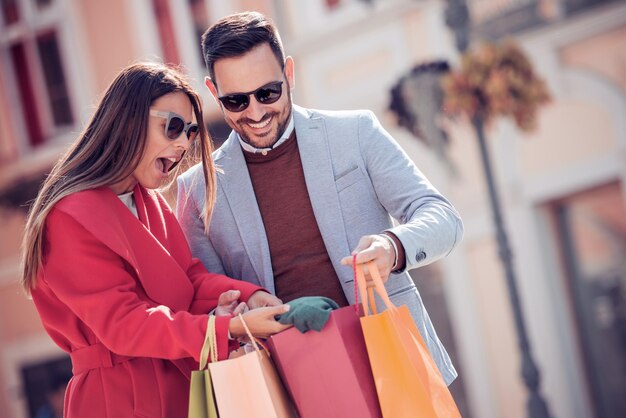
x=17, y=354
x=22, y=38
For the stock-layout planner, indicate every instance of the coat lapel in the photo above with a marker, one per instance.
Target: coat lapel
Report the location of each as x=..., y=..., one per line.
x=101, y=213
x=237, y=187
x=320, y=181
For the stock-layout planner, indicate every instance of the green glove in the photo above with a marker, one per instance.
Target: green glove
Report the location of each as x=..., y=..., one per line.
x=309, y=312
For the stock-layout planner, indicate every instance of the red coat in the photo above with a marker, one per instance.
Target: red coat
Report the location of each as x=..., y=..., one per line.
x=124, y=297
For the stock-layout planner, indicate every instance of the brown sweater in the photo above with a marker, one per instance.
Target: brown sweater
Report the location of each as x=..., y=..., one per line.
x=299, y=258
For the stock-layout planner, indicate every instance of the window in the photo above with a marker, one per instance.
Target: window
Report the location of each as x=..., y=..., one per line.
x=41, y=4
x=27, y=93
x=218, y=130
x=429, y=279
x=201, y=22
x=44, y=385
x=36, y=80
x=9, y=11
x=166, y=31
x=55, y=80
x=332, y=4
x=590, y=231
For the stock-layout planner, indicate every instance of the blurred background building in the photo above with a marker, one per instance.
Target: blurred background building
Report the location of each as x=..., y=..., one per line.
x=562, y=188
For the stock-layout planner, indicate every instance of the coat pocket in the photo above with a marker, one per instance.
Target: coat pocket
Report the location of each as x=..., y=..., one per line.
x=347, y=178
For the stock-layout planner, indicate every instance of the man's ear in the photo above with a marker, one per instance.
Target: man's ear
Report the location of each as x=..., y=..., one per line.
x=289, y=74
x=209, y=85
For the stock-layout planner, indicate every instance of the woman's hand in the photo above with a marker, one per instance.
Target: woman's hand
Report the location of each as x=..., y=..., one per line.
x=261, y=322
x=228, y=304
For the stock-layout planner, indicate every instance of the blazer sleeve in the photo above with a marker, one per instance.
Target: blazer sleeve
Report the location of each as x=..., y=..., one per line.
x=429, y=226
x=94, y=283
x=189, y=214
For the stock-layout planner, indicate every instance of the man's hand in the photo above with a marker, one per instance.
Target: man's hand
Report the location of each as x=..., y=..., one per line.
x=261, y=298
x=374, y=248
x=228, y=304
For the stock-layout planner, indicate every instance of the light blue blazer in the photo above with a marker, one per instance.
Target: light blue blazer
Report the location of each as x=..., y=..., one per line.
x=358, y=179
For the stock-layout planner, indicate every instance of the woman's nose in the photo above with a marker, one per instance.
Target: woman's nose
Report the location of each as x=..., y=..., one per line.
x=183, y=141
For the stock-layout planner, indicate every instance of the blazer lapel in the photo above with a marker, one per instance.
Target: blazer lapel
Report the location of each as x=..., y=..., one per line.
x=320, y=182
x=238, y=190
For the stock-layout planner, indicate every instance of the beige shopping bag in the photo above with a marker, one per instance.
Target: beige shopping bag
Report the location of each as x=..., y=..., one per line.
x=248, y=386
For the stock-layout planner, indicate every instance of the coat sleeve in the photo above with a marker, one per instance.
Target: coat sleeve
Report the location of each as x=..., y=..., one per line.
x=189, y=213
x=209, y=286
x=429, y=226
x=207, y=289
x=95, y=284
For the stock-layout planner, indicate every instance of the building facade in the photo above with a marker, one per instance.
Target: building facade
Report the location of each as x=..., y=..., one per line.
x=562, y=187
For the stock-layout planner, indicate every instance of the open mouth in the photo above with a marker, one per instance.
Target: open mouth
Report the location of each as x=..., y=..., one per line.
x=167, y=164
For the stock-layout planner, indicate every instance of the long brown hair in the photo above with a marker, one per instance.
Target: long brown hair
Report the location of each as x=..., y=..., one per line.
x=110, y=148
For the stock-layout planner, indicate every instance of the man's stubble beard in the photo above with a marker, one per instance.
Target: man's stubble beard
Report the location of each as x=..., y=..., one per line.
x=279, y=132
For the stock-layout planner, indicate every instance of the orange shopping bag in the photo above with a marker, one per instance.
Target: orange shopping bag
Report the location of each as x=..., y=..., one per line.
x=407, y=379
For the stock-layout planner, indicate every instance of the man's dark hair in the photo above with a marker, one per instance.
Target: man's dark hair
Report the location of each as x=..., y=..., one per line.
x=237, y=34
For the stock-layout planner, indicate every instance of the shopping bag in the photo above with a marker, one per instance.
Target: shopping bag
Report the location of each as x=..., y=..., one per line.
x=327, y=373
x=407, y=379
x=249, y=387
x=201, y=399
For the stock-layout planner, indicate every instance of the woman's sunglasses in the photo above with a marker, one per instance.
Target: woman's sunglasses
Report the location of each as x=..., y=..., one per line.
x=176, y=125
x=267, y=94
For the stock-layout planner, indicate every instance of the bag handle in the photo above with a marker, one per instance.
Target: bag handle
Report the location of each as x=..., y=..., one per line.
x=379, y=287
x=255, y=341
x=213, y=353
x=360, y=281
x=356, y=286
x=209, y=347
x=370, y=291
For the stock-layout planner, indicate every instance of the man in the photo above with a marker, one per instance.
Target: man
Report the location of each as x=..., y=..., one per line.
x=300, y=188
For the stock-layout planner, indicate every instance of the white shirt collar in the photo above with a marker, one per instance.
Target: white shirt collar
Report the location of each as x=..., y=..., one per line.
x=288, y=130
x=129, y=200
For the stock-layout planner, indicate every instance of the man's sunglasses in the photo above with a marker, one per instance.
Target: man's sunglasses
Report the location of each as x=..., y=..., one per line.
x=175, y=125
x=267, y=94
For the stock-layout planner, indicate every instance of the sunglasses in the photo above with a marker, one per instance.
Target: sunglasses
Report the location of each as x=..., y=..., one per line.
x=176, y=125
x=267, y=94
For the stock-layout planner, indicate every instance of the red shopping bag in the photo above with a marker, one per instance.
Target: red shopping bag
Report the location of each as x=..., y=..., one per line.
x=327, y=373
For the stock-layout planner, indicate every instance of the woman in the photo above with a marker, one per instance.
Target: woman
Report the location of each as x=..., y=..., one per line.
x=108, y=266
